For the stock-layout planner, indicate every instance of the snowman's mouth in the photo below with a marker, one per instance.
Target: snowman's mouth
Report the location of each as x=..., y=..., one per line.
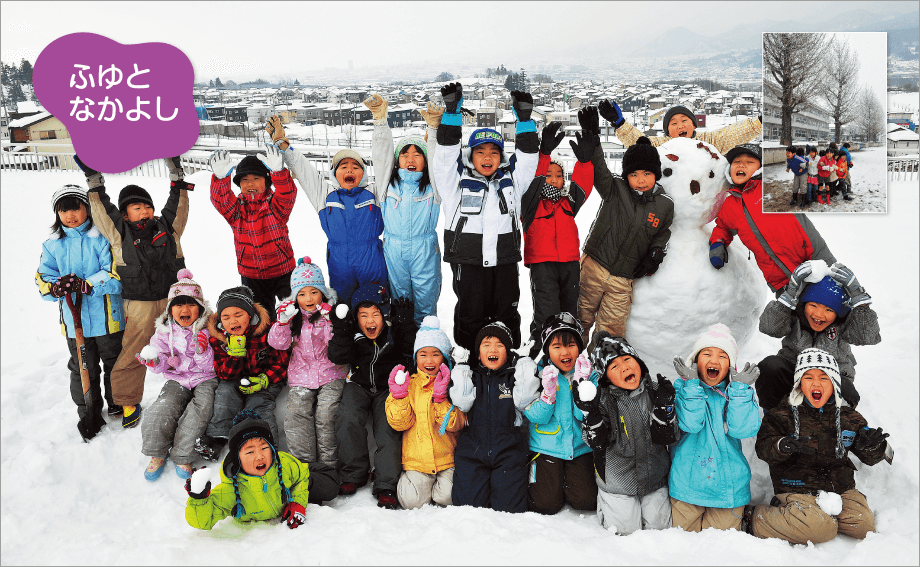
x=694, y=187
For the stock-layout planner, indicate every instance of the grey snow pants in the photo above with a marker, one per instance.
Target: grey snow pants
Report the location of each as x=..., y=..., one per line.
x=310, y=422
x=229, y=401
x=628, y=514
x=351, y=434
x=176, y=419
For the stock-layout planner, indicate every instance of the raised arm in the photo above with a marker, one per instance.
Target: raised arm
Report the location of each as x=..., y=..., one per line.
x=382, y=147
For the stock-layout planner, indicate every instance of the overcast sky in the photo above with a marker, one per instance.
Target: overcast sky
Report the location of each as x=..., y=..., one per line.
x=245, y=39
x=872, y=50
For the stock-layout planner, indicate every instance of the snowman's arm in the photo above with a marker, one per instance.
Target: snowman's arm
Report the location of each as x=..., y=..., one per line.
x=732, y=135
x=603, y=179
x=777, y=320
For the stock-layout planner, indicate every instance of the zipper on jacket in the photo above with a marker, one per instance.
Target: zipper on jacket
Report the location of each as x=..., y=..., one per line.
x=456, y=240
x=371, y=371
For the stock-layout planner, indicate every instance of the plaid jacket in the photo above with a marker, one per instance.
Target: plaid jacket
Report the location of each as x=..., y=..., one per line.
x=260, y=357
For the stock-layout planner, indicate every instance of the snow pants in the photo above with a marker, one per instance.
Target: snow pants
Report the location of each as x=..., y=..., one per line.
x=798, y=519
x=554, y=287
x=229, y=401
x=415, y=489
x=309, y=422
x=265, y=291
x=324, y=483
x=128, y=374
x=495, y=479
x=693, y=518
x=105, y=348
x=776, y=379
x=628, y=514
x=414, y=269
x=176, y=419
x=603, y=298
x=485, y=295
x=555, y=481
x=354, y=264
x=351, y=434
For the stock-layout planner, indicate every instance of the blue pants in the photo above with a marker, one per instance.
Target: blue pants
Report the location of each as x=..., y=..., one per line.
x=353, y=265
x=414, y=269
x=812, y=189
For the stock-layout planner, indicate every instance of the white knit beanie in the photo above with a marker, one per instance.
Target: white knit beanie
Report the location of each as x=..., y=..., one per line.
x=431, y=335
x=823, y=361
x=718, y=336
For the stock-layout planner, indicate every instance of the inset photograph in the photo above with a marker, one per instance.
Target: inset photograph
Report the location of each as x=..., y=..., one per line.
x=824, y=122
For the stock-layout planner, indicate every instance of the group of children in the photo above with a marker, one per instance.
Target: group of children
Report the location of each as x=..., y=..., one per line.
x=819, y=175
x=483, y=423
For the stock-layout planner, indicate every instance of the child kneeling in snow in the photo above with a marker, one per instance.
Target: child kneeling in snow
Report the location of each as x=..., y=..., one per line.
x=629, y=424
x=710, y=478
x=418, y=406
x=806, y=446
x=179, y=351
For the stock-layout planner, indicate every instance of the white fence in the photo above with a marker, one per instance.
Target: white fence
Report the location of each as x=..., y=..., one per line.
x=903, y=169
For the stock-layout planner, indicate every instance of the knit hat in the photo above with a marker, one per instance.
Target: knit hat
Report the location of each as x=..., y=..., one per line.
x=346, y=153
x=823, y=361
x=431, y=335
x=133, y=194
x=752, y=150
x=558, y=323
x=827, y=292
x=251, y=165
x=608, y=347
x=66, y=191
x=371, y=294
x=241, y=297
x=498, y=330
x=412, y=141
x=309, y=274
x=678, y=110
x=642, y=155
x=718, y=336
x=186, y=286
x=486, y=136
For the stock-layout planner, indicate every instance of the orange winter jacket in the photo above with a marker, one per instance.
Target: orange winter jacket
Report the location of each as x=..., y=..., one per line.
x=842, y=167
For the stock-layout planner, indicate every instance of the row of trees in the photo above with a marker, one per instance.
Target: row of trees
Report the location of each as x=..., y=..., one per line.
x=15, y=77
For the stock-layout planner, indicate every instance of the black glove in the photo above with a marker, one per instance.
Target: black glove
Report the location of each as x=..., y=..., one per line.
x=72, y=283
x=521, y=105
x=590, y=407
x=584, y=144
x=868, y=439
x=611, y=112
x=848, y=392
x=649, y=264
x=402, y=312
x=340, y=317
x=87, y=170
x=550, y=141
x=664, y=401
x=197, y=495
x=588, y=120
x=452, y=95
x=789, y=445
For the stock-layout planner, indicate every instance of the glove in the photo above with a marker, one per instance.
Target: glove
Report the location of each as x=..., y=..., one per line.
x=256, y=384
x=93, y=178
x=521, y=105
x=611, y=112
x=72, y=283
x=148, y=362
x=441, y=383
x=399, y=390
x=220, y=164
x=57, y=291
x=340, y=316
x=790, y=295
x=790, y=444
x=325, y=309
x=718, y=255
x=868, y=439
x=685, y=372
x=844, y=276
x=746, y=375
x=284, y=314
x=585, y=405
x=294, y=514
x=403, y=312
x=452, y=95
x=204, y=493
x=459, y=354
x=276, y=130
x=236, y=345
x=377, y=105
x=272, y=158
x=550, y=380
x=649, y=264
x=550, y=141
x=432, y=115
x=584, y=144
x=663, y=412
x=582, y=367
x=462, y=391
x=203, y=342
x=588, y=120
x=174, y=164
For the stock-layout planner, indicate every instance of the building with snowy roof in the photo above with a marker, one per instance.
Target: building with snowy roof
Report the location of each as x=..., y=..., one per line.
x=903, y=142
x=812, y=123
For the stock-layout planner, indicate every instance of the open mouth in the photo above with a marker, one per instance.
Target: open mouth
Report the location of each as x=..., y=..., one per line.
x=185, y=319
x=349, y=179
x=565, y=361
x=492, y=358
x=816, y=395
x=629, y=379
x=817, y=322
x=411, y=168
x=236, y=330
x=261, y=467
x=712, y=373
x=683, y=134
x=372, y=330
x=429, y=369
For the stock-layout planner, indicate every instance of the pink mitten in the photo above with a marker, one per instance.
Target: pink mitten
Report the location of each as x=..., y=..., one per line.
x=582, y=367
x=398, y=382
x=550, y=378
x=441, y=382
x=284, y=313
x=325, y=308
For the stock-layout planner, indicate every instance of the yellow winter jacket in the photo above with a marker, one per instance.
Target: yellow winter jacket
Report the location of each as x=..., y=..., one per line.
x=424, y=449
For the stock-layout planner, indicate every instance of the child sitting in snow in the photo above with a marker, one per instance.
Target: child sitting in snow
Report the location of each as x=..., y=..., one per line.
x=629, y=425
x=831, y=314
x=78, y=259
x=561, y=468
x=710, y=477
x=806, y=446
x=259, y=218
x=418, y=406
x=551, y=245
x=179, y=351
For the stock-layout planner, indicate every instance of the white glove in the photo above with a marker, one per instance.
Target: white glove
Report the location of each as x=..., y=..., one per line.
x=462, y=391
x=220, y=164
x=272, y=158
x=526, y=382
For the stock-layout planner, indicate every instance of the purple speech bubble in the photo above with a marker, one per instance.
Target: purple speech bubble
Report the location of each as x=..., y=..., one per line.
x=123, y=105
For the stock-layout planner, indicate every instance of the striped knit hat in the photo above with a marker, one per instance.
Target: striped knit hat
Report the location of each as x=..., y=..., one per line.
x=814, y=358
x=69, y=191
x=185, y=286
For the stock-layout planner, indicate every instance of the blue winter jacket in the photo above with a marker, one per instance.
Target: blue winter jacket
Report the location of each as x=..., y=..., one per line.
x=798, y=165
x=555, y=429
x=84, y=252
x=708, y=467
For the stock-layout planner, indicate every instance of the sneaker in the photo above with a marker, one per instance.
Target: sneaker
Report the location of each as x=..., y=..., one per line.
x=209, y=448
x=115, y=411
x=387, y=499
x=747, y=519
x=155, y=468
x=132, y=420
x=184, y=471
x=349, y=488
x=88, y=431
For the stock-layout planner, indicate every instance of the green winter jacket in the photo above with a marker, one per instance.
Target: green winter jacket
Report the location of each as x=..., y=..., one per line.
x=260, y=495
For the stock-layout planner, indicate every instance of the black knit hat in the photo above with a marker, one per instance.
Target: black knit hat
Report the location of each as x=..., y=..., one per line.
x=133, y=194
x=498, y=330
x=749, y=149
x=246, y=425
x=251, y=165
x=678, y=110
x=241, y=297
x=642, y=155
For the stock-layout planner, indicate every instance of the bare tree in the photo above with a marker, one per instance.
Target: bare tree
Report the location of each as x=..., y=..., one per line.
x=870, y=114
x=792, y=73
x=841, y=69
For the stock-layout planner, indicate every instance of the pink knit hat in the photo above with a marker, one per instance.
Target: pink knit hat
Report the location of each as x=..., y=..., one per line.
x=185, y=286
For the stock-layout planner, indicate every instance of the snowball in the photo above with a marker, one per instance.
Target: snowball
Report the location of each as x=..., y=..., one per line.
x=244, y=382
x=401, y=377
x=830, y=502
x=587, y=390
x=149, y=353
x=819, y=270
x=290, y=310
x=341, y=311
x=200, y=478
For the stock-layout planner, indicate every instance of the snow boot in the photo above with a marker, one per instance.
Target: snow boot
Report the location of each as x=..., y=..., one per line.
x=115, y=411
x=184, y=471
x=795, y=198
x=747, y=519
x=349, y=488
x=155, y=468
x=91, y=429
x=209, y=448
x=804, y=202
x=133, y=418
x=387, y=499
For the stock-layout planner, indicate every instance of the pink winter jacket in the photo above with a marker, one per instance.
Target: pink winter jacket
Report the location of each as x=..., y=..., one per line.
x=177, y=348
x=310, y=366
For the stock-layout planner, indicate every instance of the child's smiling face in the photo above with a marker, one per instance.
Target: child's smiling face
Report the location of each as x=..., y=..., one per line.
x=349, y=173
x=712, y=365
x=185, y=311
x=554, y=176
x=624, y=372
x=492, y=353
x=411, y=159
x=137, y=212
x=74, y=217
x=309, y=297
x=486, y=158
x=681, y=126
x=255, y=457
x=429, y=360
x=234, y=320
x=370, y=321
x=562, y=354
x=743, y=167
x=252, y=184
x=819, y=316
x=817, y=387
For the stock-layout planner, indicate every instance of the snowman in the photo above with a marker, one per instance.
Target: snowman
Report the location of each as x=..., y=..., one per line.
x=686, y=295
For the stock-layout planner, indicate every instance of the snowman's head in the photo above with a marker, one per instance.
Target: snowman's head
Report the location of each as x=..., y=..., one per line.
x=693, y=175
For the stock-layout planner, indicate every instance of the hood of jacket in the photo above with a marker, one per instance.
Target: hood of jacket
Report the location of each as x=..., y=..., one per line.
x=465, y=154
x=164, y=321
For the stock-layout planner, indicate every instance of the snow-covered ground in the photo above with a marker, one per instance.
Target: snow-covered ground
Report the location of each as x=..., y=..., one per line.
x=870, y=187
x=66, y=502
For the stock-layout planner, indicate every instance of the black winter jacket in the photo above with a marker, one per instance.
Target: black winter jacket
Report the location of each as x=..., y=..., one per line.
x=372, y=360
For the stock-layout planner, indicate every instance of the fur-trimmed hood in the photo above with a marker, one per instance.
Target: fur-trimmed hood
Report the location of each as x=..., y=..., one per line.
x=163, y=322
x=262, y=327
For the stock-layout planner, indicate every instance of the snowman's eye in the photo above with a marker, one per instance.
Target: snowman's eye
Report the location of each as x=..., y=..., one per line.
x=711, y=175
x=667, y=172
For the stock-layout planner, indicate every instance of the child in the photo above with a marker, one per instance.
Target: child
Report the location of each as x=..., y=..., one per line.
x=827, y=171
x=812, y=176
x=251, y=372
x=147, y=269
x=629, y=425
x=796, y=161
x=315, y=382
x=410, y=208
x=76, y=258
x=843, y=175
x=481, y=188
x=833, y=180
x=845, y=148
x=551, y=245
x=629, y=236
x=348, y=211
x=420, y=409
x=831, y=315
x=363, y=338
x=778, y=240
x=710, y=478
x=258, y=217
x=806, y=446
x=681, y=123
x=491, y=454
x=180, y=352
x=561, y=468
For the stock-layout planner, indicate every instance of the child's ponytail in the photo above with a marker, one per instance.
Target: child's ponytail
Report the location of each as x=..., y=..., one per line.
x=238, y=511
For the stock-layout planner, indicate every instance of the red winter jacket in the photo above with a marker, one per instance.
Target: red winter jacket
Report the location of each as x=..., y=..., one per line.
x=260, y=357
x=550, y=234
x=259, y=222
x=792, y=237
